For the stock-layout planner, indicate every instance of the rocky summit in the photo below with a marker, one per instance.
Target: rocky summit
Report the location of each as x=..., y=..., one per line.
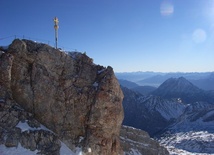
x=79, y=101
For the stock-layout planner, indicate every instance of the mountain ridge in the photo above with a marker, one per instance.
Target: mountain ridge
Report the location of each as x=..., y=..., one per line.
x=183, y=89
x=182, y=127
x=203, y=80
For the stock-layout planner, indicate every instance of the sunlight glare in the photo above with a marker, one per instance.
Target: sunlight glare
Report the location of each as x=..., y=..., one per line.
x=209, y=10
x=199, y=36
x=166, y=8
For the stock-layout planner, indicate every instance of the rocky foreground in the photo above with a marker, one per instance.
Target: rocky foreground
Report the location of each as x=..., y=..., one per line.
x=66, y=92
x=79, y=102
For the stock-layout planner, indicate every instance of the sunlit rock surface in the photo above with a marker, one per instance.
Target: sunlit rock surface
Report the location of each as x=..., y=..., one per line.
x=80, y=101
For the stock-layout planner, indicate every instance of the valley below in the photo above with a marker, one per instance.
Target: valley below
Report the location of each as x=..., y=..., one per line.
x=178, y=114
x=61, y=103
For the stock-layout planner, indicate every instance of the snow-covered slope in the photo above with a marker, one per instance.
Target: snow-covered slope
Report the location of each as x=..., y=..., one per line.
x=23, y=151
x=185, y=129
x=196, y=117
x=20, y=150
x=189, y=143
x=149, y=113
x=193, y=131
x=169, y=109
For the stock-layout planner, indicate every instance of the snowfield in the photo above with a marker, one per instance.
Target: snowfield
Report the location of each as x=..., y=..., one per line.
x=132, y=152
x=189, y=143
x=25, y=127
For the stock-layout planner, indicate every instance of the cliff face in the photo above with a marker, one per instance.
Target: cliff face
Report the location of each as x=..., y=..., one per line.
x=135, y=141
x=78, y=100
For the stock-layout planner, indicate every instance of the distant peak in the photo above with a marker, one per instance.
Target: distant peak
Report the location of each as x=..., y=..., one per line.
x=177, y=79
x=182, y=78
x=176, y=85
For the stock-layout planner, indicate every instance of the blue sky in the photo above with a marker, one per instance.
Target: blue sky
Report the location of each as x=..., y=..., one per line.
x=129, y=35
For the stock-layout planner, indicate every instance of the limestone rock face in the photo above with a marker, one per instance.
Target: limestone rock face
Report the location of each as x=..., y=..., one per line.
x=136, y=141
x=19, y=127
x=80, y=101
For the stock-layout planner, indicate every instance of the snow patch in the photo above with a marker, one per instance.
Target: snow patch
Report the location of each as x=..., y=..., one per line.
x=189, y=143
x=132, y=141
x=175, y=151
x=168, y=109
x=16, y=150
x=95, y=84
x=133, y=152
x=73, y=54
x=81, y=139
x=64, y=150
x=25, y=127
x=100, y=71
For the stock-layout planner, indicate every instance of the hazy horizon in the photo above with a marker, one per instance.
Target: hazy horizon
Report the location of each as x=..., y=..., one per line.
x=164, y=72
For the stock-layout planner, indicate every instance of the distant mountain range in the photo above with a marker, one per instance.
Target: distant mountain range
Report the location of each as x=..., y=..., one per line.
x=128, y=84
x=172, y=112
x=149, y=113
x=144, y=90
x=183, y=89
x=204, y=80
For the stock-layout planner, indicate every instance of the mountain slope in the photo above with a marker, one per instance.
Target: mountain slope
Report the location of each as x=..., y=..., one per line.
x=183, y=89
x=193, y=132
x=181, y=128
x=149, y=113
x=144, y=90
x=127, y=83
x=205, y=83
x=189, y=143
x=196, y=117
x=154, y=81
x=203, y=80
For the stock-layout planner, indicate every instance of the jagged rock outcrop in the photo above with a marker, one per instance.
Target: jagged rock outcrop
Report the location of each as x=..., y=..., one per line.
x=14, y=125
x=66, y=92
x=136, y=141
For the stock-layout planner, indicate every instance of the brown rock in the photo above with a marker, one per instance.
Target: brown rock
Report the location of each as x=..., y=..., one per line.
x=6, y=60
x=12, y=139
x=136, y=141
x=8, y=118
x=44, y=141
x=67, y=93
